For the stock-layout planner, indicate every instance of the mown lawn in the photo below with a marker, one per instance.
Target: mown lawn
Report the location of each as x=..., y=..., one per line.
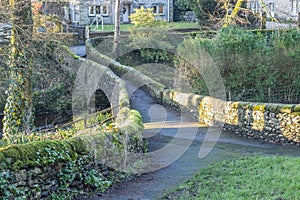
x=171, y=25
x=257, y=177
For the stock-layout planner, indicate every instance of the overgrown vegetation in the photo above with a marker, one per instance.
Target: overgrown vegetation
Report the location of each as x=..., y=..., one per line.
x=259, y=177
x=213, y=14
x=252, y=63
x=31, y=70
x=53, y=133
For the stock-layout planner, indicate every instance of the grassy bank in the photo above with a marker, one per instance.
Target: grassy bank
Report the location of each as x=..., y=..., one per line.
x=257, y=177
x=171, y=25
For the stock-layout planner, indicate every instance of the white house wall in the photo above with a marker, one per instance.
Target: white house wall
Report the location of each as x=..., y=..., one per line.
x=282, y=8
x=80, y=8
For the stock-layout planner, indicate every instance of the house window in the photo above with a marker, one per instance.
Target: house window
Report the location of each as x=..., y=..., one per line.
x=271, y=6
x=141, y=5
x=254, y=6
x=76, y=13
x=294, y=7
x=104, y=10
x=98, y=10
x=92, y=11
x=158, y=9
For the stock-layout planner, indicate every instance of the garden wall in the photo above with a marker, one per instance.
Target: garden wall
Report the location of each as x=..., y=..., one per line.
x=36, y=170
x=274, y=123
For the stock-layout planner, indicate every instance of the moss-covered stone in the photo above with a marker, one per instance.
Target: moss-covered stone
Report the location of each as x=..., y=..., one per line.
x=40, y=153
x=286, y=109
x=244, y=105
x=235, y=105
x=295, y=114
x=297, y=108
x=274, y=108
x=259, y=107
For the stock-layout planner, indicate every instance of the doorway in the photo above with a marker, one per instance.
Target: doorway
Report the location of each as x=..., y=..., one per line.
x=126, y=11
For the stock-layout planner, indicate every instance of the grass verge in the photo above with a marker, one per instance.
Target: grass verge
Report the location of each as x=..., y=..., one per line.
x=257, y=177
x=170, y=25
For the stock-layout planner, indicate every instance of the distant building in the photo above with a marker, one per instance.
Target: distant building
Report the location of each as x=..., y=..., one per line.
x=280, y=9
x=83, y=12
x=5, y=32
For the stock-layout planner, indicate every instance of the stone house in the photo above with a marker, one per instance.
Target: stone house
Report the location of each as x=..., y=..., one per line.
x=280, y=9
x=83, y=12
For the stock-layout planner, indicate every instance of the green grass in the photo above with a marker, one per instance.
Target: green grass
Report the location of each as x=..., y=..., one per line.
x=171, y=25
x=258, y=177
x=158, y=72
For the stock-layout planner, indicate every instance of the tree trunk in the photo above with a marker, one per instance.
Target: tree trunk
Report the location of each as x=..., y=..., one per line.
x=117, y=29
x=298, y=19
x=18, y=108
x=234, y=13
x=237, y=7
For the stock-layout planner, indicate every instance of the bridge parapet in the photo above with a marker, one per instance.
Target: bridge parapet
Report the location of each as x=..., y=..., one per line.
x=274, y=123
x=96, y=75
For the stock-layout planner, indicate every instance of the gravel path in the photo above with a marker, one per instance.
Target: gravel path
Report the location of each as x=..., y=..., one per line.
x=152, y=185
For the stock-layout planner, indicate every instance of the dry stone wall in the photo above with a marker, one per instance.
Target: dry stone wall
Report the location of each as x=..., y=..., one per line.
x=274, y=123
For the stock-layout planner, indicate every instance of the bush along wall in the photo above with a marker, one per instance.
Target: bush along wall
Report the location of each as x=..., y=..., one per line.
x=90, y=161
x=274, y=123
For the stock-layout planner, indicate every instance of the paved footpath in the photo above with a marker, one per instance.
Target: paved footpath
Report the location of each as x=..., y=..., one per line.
x=152, y=185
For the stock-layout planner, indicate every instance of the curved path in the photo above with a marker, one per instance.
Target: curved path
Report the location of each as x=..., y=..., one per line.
x=152, y=185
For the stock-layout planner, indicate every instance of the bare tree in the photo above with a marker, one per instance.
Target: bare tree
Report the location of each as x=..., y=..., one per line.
x=28, y=62
x=117, y=28
x=229, y=18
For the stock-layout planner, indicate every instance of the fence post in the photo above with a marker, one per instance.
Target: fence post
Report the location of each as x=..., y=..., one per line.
x=269, y=95
x=298, y=21
x=263, y=20
x=87, y=32
x=112, y=110
x=84, y=123
x=161, y=93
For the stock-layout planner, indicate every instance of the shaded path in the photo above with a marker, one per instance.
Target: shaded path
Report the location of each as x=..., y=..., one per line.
x=153, y=184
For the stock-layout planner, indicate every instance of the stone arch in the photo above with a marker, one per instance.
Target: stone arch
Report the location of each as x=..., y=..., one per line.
x=93, y=77
x=98, y=101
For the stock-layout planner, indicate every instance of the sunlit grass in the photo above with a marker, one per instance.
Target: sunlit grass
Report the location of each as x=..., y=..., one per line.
x=171, y=25
x=246, y=178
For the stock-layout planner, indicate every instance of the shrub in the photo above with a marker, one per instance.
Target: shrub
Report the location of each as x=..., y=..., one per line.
x=251, y=63
x=149, y=36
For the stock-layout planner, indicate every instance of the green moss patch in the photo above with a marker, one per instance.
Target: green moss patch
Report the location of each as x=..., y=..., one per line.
x=40, y=153
x=297, y=108
x=295, y=114
x=259, y=107
x=286, y=109
x=274, y=108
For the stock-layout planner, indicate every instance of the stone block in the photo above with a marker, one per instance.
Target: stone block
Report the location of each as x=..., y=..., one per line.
x=35, y=171
x=21, y=175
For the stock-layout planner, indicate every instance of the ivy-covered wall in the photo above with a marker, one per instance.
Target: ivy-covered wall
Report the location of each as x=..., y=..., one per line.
x=40, y=169
x=274, y=123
